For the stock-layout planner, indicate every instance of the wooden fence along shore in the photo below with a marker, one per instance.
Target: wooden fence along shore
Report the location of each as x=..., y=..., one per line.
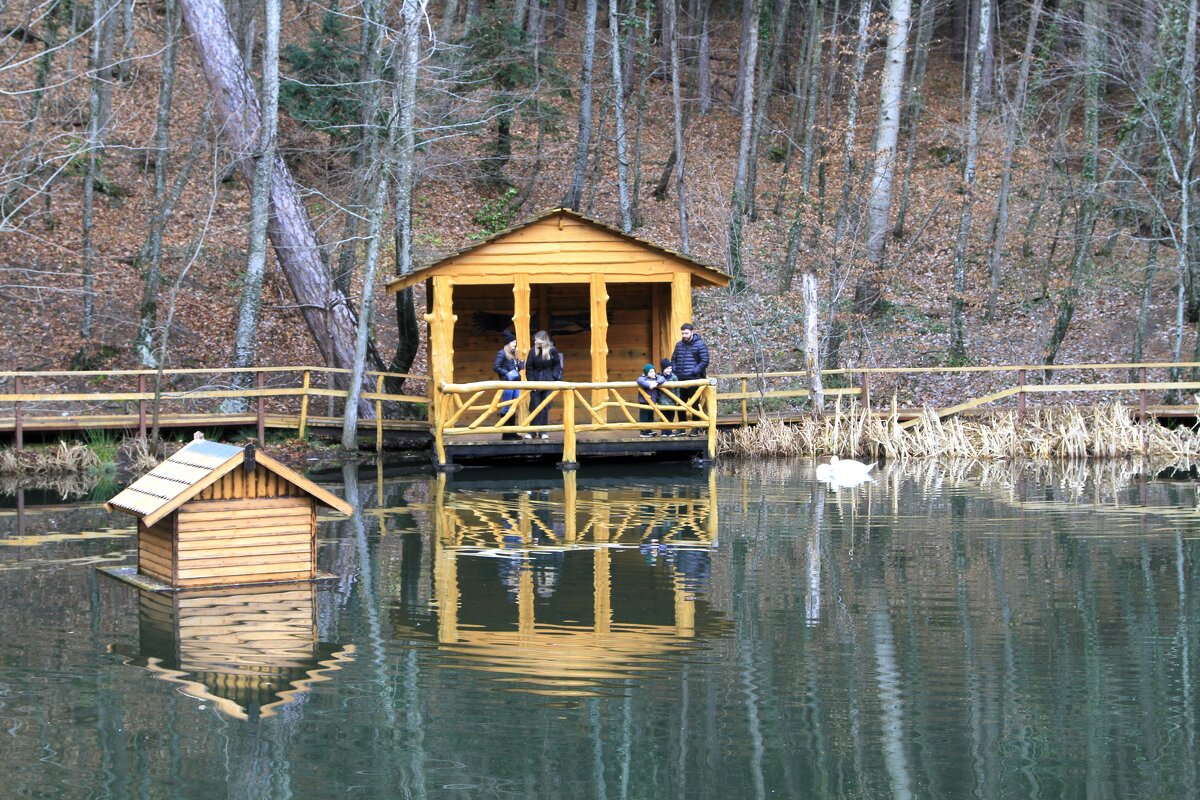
x=459, y=417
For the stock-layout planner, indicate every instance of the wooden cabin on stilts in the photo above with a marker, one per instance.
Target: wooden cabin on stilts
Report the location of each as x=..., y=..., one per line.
x=611, y=302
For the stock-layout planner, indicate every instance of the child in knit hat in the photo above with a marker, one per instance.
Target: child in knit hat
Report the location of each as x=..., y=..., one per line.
x=648, y=382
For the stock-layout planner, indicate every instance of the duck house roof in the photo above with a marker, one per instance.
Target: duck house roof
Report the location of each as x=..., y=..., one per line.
x=195, y=467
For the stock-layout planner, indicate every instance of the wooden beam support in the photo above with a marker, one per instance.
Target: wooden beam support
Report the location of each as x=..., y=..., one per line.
x=681, y=304
x=599, y=310
x=441, y=339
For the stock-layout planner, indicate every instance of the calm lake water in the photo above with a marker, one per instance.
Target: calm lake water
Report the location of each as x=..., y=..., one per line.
x=947, y=632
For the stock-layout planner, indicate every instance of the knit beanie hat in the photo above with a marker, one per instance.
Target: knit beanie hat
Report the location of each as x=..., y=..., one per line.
x=666, y=362
x=647, y=368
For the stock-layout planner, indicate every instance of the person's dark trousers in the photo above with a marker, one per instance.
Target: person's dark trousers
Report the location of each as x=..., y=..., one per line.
x=536, y=396
x=685, y=396
x=646, y=415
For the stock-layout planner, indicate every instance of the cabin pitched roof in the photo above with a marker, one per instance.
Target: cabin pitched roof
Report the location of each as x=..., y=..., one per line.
x=194, y=468
x=705, y=274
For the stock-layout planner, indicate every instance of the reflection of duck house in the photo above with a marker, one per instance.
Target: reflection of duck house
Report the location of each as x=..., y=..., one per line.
x=250, y=651
x=214, y=514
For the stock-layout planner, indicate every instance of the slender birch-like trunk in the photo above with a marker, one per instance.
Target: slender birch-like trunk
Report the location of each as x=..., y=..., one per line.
x=150, y=257
x=913, y=105
x=762, y=112
x=672, y=34
x=250, y=303
x=408, y=333
x=1014, y=130
x=574, y=196
x=737, y=203
x=867, y=292
x=849, y=171
x=958, y=351
x=614, y=33
x=1093, y=21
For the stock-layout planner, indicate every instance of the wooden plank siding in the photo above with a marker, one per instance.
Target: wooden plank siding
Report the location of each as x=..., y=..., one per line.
x=256, y=538
x=156, y=550
x=238, y=484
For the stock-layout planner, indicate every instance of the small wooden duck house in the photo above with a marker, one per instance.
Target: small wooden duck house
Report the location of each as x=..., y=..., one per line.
x=215, y=515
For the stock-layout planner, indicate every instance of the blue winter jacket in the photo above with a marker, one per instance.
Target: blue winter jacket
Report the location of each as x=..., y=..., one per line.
x=690, y=359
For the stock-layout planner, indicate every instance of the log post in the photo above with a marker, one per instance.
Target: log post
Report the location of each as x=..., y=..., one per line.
x=18, y=430
x=142, y=406
x=745, y=416
x=1021, y=394
x=261, y=409
x=570, y=461
x=440, y=415
x=599, y=338
x=711, y=401
x=379, y=414
x=1142, y=395
x=864, y=383
x=303, y=428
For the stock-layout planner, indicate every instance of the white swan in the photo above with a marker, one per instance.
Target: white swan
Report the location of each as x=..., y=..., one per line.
x=844, y=472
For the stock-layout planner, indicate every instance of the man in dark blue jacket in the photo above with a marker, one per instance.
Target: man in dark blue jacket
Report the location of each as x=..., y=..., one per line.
x=691, y=363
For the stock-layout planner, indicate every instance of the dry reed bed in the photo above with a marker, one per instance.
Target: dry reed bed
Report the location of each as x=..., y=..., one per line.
x=138, y=454
x=1107, y=431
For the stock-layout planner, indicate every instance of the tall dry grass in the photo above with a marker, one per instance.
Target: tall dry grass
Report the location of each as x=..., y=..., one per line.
x=60, y=458
x=1108, y=431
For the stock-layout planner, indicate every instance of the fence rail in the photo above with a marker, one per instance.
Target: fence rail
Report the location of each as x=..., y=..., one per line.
x=287, y=397
x=481, y=408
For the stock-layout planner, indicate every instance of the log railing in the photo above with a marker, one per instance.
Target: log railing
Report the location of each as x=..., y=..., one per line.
x=479, y=408
x=56, y=400
x=286, y=397
x=910, y=387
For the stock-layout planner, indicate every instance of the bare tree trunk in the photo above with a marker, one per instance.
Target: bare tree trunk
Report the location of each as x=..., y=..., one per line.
x=406, y=313
x=150, y=258
x=1093, y=22
x=641, y=24
x=367, y=306
x=97, y=130
x=762, y=113
x=957, y=346
x=891, y=93
x=799, y=104
x=812, y=343
x=614, y=33
x=672, y=34
x=841, y=223
x=750, y=9
x=250, y=303
x=325, y=309
x=574, y=195
x=123, y=66
x=803, y=204
x=1014, y=130
x=913, y=105
x=704, y=67
x=737, y=203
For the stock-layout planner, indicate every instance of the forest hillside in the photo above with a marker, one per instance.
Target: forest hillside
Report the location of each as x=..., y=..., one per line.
x=934, y=183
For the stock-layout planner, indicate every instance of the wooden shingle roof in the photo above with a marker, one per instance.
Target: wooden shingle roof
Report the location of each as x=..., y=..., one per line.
x=196, y=467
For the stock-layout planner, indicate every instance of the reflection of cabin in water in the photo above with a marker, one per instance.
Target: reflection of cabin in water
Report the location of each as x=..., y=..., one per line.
x=561, y=590
x=610, y=301
x=249, y=651
x=214, y=514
